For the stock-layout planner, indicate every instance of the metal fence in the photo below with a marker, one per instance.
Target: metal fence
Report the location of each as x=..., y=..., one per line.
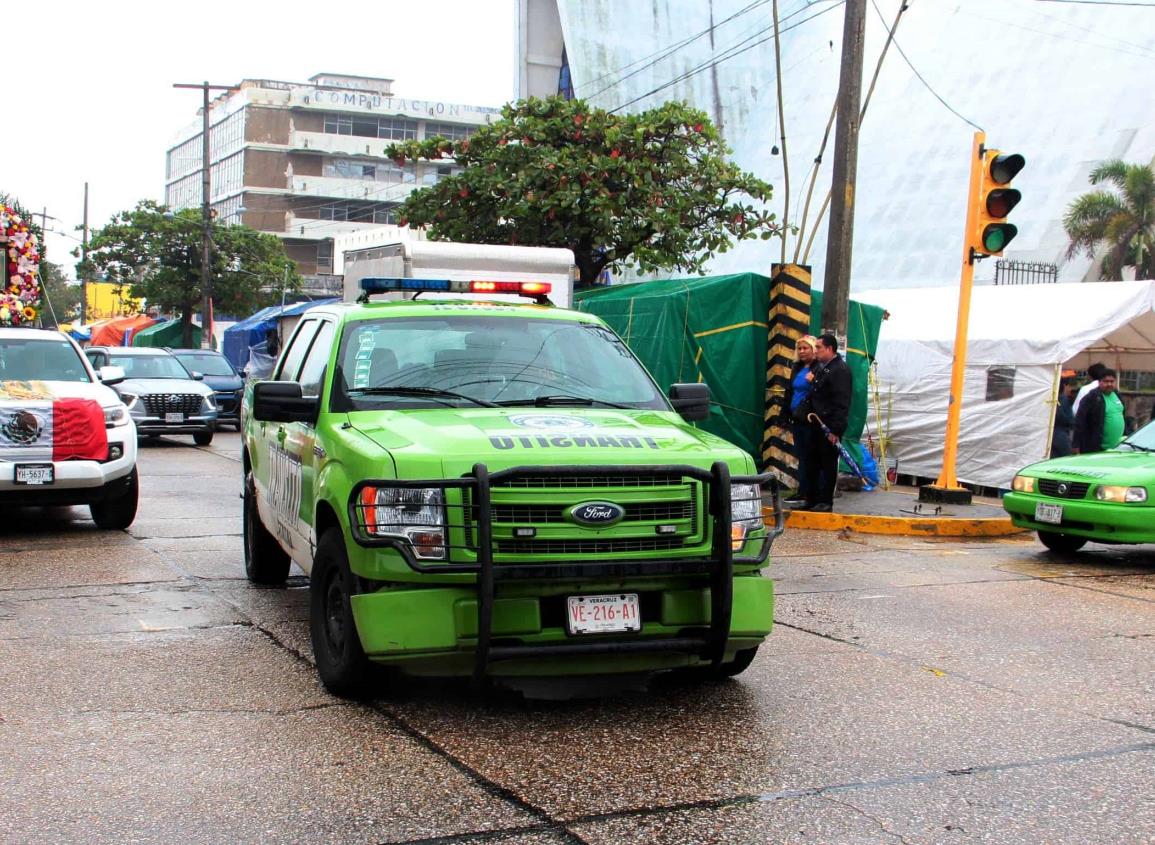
x=1010, y=272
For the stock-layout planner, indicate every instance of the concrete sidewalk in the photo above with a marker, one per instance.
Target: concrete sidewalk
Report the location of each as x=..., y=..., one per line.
x=898, y=511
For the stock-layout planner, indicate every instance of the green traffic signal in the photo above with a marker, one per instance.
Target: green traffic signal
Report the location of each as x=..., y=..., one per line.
x=997, y=235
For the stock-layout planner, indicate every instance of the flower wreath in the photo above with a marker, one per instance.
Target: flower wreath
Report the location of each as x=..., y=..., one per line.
x=20, y=297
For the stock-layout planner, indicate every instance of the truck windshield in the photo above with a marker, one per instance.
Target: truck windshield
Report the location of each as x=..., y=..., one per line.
x=31, y=359
x=464, y=361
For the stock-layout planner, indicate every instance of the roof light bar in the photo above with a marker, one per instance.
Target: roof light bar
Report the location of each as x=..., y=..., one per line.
x=379, y=284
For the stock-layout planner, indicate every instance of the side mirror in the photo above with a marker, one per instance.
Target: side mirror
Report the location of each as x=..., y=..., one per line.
x=281, y=401
x=692, y=401
x=197, y=376
x=110, y=375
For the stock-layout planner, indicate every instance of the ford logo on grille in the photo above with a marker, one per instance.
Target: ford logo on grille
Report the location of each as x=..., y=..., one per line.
x=597, y=514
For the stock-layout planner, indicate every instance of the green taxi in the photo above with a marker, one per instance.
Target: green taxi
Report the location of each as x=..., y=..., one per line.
x=498, y=489
x=1104, y=497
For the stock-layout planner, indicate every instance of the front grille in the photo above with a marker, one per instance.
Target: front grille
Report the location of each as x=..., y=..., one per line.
x=1074, y=489
x=159, y=404
x=648, y=480
x=639, y=512
x=588, y=547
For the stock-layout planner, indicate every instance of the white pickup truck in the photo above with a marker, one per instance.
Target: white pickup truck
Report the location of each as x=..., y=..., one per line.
x=66, y=437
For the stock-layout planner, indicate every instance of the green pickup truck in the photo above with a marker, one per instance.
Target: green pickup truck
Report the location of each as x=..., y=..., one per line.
x=498, y=489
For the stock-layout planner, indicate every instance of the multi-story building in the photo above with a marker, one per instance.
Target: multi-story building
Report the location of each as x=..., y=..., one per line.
x=306, y=161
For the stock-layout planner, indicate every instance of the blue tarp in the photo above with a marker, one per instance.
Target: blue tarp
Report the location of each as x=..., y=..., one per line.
x=251, y=330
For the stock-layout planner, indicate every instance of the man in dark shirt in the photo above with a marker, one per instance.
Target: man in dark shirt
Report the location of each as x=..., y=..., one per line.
x=830, y=401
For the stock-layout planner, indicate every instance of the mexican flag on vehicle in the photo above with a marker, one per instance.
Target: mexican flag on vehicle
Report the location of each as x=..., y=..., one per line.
x=38, y=423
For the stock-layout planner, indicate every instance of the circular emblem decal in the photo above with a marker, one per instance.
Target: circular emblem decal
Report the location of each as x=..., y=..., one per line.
x=597, y=514
x=22, y=427
x=550, y=422
x=1062, y=488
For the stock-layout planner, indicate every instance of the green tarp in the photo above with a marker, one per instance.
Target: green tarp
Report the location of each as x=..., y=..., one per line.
x=167, y=334
x=713, y=329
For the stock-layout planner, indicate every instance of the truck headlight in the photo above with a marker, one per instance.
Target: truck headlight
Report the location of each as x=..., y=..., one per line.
x=116, y=415
x=745, y=512
x=1105, y=493
x=415, y=513
x=1023, y=484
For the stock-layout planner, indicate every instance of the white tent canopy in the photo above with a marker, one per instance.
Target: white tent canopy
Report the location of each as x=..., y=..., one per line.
x=1020, y=337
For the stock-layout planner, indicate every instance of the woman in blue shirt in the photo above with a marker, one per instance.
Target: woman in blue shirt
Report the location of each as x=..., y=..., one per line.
x=801, y=383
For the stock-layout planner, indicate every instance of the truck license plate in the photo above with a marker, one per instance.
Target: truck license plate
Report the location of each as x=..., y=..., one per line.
x=35, y=474
x=1046, y=512
x=603, y=614
x=174, y=418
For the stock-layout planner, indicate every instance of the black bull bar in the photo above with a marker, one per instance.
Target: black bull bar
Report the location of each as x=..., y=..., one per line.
x=477, y=523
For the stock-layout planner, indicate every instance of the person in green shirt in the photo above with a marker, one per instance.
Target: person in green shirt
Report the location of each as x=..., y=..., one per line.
x=1101, y=419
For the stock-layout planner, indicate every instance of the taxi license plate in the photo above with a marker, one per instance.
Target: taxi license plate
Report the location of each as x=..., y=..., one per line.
x=603, y=614
x=35, y=474
x=174, y=418
x=1046, y=512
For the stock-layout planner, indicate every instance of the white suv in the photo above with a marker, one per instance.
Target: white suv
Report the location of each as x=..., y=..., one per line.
x=66, y=437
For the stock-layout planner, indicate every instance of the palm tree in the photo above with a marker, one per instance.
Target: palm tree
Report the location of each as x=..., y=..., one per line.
x=1121, y=221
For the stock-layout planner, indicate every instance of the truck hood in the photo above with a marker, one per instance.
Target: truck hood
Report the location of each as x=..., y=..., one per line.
x=1125, y=467
x=50, y=390
x=452, y=440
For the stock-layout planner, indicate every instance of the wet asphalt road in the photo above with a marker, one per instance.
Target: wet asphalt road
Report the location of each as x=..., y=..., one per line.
x=913, y=691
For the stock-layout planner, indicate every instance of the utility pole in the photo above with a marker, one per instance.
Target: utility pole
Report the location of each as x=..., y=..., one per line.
x=840, y=238
x=84, y=262
x=206, y=212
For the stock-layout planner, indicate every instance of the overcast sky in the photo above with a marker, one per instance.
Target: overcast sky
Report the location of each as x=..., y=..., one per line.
x=90, y=97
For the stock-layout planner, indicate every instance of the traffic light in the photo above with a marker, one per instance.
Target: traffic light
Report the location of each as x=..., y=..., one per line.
x=994, y=202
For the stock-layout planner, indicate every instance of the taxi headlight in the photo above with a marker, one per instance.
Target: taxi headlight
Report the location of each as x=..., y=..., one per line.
x=115, y=415
x=745, y=512
x=1023, y=484
x=415, y=513
x=1107, y=493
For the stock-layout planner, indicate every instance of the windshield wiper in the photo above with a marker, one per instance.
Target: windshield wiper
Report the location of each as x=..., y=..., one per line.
x=431, y=392
x=1128, y=443
x=561, y=401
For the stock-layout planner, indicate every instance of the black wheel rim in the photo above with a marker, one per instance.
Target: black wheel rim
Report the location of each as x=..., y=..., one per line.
x=335, y=612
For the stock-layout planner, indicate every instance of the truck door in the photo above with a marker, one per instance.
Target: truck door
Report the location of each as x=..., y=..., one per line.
x=279, y=485
x=303, y=436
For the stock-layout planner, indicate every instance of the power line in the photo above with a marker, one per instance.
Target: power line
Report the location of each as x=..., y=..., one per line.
x=1100, y=34
x=926, y=84
x=725, y=55
x=666, y=52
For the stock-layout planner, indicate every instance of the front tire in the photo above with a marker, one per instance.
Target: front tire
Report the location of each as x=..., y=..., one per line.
x=1062, y=543
x=203, y=438
x=344, y=669
x=117, y=511
x=266, y=563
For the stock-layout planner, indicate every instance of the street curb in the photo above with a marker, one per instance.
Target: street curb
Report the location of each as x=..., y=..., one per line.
x=912, y=526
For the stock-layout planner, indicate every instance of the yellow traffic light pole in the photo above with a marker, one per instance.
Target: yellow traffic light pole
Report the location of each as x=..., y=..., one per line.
x=947, y=489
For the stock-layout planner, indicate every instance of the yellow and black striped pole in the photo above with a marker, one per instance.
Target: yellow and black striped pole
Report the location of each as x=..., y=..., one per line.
x=788, y=320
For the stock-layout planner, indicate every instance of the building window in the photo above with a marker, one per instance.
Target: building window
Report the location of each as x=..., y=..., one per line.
x=1000, y=383
x=452, y=131
x=354, y=211
x=336, y=124
x=335, y=211
x=371, y=126
x=325, y=257
x=385, y=216
x=385, y=171
x=396, y=129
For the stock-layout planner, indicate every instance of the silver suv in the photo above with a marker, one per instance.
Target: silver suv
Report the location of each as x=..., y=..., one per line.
x=162, y=396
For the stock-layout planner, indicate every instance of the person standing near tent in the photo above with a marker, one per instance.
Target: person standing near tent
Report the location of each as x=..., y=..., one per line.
x=798, y=401
x=1101, y=419
x=1095, y=371
x=1064, y=420
x=830, y=395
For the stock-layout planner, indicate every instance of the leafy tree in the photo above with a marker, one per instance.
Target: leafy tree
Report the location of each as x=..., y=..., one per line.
x=1122, y=221
x=62, y=296
x=654, y=189
x=158, y=254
